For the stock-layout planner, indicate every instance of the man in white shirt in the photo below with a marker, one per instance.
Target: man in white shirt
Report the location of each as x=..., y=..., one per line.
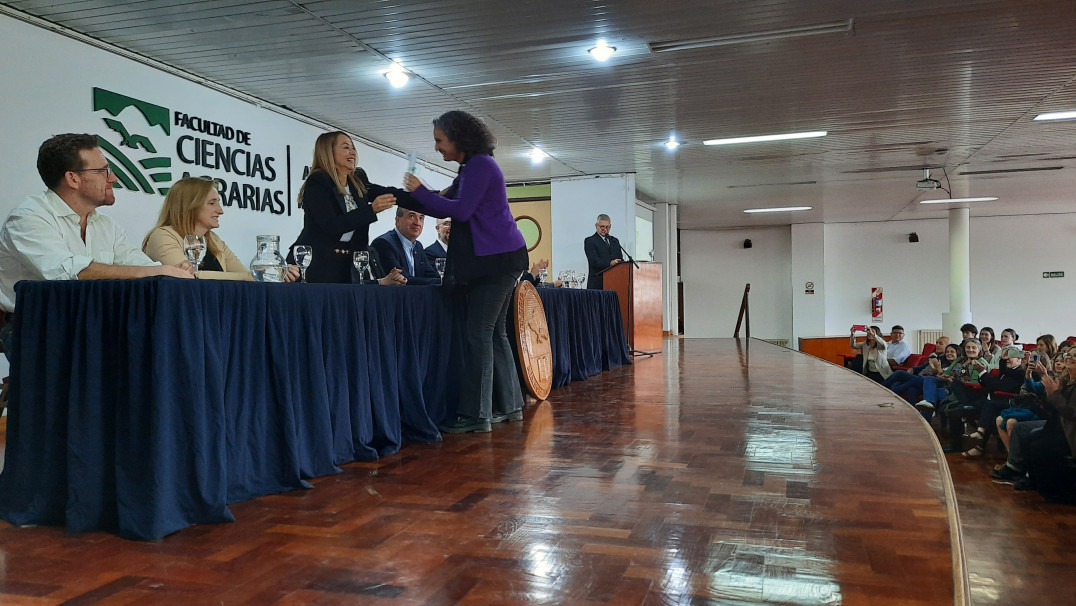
x=897, y=349
x=59, y=235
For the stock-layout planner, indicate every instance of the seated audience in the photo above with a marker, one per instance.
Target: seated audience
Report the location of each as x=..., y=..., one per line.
x=59, y=235
x=998, y=387
x=897, y=350
x=990, y=347
x=192, y=207
x=909, y=384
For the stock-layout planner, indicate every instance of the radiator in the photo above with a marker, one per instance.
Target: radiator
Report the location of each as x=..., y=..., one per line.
x=927, y=336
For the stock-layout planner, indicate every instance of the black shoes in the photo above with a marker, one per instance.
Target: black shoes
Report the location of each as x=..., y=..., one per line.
x=464, y=424
x=516, y=415
x=1006, y=475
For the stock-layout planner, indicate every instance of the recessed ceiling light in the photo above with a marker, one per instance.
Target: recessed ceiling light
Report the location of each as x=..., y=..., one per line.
x=397, y=75
x=783, y=209
x=959, y=200
x=602, y=51
x=672, y=143
x=761, y=138
x=537, y=155
x=1069, y=115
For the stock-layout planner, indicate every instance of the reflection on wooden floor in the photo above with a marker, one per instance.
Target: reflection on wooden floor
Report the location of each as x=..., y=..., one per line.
x=718, y=473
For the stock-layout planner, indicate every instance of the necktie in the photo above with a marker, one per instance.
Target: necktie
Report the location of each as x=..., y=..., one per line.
x=416, y=248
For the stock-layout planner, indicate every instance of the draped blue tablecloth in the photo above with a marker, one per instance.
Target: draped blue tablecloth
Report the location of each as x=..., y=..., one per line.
x=144, y=406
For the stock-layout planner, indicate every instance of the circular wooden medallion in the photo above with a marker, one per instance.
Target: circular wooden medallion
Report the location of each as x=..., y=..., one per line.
x=532, y=337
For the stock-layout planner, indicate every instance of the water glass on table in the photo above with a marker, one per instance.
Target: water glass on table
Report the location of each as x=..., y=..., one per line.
x=194, y=248
x=439, y=265
x=361, y=260
x=304, y=256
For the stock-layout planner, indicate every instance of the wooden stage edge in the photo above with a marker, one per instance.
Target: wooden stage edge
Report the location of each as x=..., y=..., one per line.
x=961, y=581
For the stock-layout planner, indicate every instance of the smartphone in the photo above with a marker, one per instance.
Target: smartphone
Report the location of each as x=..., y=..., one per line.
x=1034, y=357
x=859, y=327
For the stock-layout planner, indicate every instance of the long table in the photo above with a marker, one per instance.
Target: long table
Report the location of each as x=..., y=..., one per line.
x=144, y=406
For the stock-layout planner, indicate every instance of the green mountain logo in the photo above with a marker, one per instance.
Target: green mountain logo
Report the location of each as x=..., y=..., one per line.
x=133, y=156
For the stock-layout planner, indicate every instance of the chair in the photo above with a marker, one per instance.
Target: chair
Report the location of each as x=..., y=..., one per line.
x=1029, y=346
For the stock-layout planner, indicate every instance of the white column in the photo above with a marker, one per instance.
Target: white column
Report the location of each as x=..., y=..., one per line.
x=665, y=243
x=959, y=272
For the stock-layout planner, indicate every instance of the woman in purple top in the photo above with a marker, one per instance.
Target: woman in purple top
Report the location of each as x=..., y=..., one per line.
x=487, y=256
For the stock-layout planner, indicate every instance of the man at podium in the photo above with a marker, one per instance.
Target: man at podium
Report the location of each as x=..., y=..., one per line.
x=602, y=250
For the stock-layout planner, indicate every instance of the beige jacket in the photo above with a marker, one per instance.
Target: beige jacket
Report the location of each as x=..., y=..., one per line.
x=166, y=245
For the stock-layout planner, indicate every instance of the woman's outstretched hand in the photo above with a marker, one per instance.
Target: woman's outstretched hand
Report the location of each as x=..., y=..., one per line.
x=411, y=182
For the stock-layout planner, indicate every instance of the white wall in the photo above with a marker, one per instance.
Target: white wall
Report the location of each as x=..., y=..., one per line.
x=575, y=204
x=715, y=267
x=914, y=276
x=1008, y=257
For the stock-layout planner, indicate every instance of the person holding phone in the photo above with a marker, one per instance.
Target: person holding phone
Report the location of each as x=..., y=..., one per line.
x=873, y=347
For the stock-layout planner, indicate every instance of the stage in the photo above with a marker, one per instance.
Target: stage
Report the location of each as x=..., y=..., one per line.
x=720, y=472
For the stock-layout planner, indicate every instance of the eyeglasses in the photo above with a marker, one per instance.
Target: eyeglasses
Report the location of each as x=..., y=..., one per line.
x=107, y=171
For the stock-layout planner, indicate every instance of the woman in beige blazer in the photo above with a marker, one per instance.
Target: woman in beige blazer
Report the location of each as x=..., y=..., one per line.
x=192, y=206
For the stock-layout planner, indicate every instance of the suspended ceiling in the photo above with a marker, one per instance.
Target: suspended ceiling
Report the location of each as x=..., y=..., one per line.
x=943, y=84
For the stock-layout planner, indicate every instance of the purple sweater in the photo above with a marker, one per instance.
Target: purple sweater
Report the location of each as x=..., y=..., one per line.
x=481, y=201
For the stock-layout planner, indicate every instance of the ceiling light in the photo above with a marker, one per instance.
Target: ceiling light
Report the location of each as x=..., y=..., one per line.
x=837, y=27
x=761, y=138
x=958, y=200
x=783, y=209
x=672, y=143
x=602, y=51
x=1069, y=115
x=537, y=155
x=397, y=75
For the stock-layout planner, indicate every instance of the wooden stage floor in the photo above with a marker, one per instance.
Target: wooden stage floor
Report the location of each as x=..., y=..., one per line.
x=722, y=472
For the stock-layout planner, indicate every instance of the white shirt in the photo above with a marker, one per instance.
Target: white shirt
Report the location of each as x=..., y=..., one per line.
x=899, y=352
x=41, y=240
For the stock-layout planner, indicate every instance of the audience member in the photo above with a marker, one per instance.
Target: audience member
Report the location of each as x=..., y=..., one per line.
x=873, y=346
x=990, y=347
x=897, y=350
x=968, y=331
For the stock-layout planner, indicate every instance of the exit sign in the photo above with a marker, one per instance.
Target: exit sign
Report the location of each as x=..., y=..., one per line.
x=1053, y=274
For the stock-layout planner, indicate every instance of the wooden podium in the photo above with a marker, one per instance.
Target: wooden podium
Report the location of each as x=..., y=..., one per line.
x=639, y=291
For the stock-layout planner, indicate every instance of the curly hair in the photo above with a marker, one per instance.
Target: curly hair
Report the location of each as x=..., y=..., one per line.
x=60, y=154
x=469, y=134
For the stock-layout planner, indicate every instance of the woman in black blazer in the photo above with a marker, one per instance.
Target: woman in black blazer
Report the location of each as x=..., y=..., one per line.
x=338, y=208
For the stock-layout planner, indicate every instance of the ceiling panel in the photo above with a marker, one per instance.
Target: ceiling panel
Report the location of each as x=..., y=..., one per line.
x=950, y=85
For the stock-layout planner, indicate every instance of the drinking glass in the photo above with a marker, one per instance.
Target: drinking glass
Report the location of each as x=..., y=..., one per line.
x=194, y=248
x=361, y=260
x=582, y=279
x=543, y=276
x=439, y=264
x=304, y=256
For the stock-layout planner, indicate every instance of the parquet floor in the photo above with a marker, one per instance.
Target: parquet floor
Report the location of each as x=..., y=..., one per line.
x=719, y=473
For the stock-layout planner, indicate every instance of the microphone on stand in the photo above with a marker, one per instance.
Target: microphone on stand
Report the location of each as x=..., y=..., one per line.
x=630, y=260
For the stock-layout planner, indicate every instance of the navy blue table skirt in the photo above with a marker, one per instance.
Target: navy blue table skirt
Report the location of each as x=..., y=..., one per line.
x=144, y=406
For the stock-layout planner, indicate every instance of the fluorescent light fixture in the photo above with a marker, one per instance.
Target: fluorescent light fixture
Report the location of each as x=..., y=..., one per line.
x=602, y=51
x=783, y=209
x=959, y=200
x=537, y=155
x=397, y=75
x=672, y=143
x=1069, y=115
x=761, y=138
x=835, y=27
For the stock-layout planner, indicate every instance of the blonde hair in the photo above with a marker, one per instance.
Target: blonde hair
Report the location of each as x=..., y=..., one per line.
x=182, y=204
x=323, y=161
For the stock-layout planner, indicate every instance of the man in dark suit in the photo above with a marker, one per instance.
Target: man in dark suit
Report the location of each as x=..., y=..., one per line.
x=400, y=248
x=603, y=251
x=439, y=249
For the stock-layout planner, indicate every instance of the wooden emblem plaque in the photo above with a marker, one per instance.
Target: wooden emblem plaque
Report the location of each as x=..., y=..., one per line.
x=532, y=339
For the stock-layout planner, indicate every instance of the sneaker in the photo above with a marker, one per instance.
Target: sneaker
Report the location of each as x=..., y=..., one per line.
x=515, y=415
x=1024, y=484
x=1006, y=474
x=464, y=424
x=924, y=405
